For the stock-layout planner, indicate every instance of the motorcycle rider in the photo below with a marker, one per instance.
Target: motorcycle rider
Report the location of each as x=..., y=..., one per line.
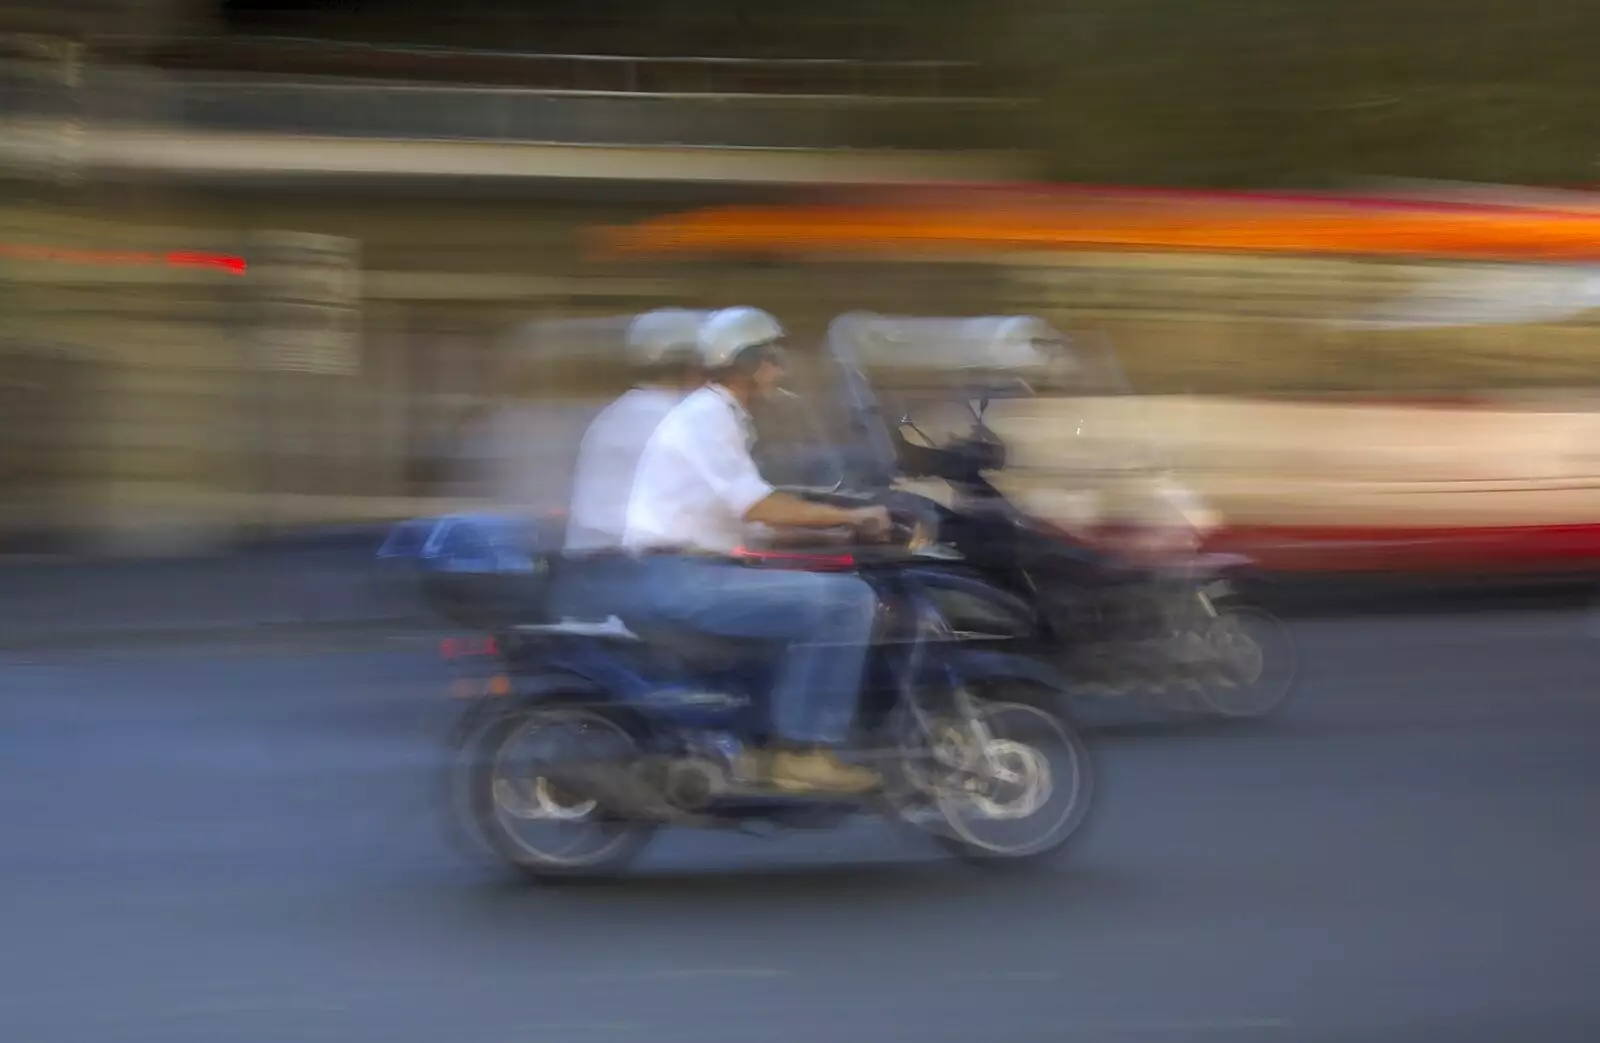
x=696, y=490
x=663, y=348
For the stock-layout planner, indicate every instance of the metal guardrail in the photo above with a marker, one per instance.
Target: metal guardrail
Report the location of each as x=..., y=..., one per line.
x=357, y=109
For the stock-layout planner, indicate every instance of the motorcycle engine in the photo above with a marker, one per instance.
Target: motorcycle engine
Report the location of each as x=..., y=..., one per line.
x=692, y=783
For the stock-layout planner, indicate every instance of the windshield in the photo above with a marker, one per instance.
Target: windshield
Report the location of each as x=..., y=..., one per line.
x=937, y=378
x=1083, y=364
x=793, y=447
x=1066, y=413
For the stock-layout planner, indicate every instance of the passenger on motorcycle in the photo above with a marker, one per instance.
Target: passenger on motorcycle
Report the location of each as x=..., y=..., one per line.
x=696, y=491
x=663, y=347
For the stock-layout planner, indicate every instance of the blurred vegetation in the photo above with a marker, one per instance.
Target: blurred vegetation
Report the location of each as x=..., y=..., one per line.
x=1314, y=92
x=1226, y=92
x=879, y=29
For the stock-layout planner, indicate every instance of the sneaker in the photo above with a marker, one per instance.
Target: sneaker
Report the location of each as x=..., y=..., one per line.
x=752, y=767
x=819, y=771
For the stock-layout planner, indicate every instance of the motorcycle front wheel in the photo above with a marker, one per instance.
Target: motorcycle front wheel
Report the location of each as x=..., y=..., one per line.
x=544, y=833
x=1013, y=787
x=1255, y=664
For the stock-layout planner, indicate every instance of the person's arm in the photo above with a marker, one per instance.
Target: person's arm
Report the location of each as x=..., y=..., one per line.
x=790, y=511
x=726, y=464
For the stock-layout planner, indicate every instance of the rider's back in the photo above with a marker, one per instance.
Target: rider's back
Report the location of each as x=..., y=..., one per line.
x=608, y=460
x=696, y=479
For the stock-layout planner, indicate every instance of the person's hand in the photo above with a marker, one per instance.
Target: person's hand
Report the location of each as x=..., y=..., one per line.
x=871, y=522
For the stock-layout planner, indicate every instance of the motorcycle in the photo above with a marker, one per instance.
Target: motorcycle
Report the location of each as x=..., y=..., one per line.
x=585, y=738
x=590, y=736
x=1130, y=610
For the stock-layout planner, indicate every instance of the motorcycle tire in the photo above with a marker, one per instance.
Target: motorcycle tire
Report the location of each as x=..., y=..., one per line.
x=1002, y=709
x=626, y=839
x=1275, y=679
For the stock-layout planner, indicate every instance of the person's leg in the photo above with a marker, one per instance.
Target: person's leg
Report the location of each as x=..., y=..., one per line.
x=819, y=686
x=827, y=622
x=818, y=691
x=593, y=589
x=573, y=593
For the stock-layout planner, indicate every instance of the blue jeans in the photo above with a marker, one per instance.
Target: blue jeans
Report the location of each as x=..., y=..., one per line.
x=827, y=620
x=594, y=588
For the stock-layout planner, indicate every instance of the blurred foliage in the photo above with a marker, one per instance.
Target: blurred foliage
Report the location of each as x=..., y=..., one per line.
x=1315, y=92
x=880, y=29
x=1228, y=92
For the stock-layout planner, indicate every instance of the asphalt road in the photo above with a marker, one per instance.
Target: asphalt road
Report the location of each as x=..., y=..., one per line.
x=242, y=845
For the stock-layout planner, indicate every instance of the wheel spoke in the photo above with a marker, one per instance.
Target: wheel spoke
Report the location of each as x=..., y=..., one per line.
x=1030, y=789
x=538, y=824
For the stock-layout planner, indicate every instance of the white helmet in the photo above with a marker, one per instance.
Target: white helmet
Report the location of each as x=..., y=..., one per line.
x=656, y=336
x=733, y=330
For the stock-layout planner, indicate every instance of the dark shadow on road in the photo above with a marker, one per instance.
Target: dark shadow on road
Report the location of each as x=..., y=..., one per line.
x=1351, y=596
x=1188, y=729
x=834, y=886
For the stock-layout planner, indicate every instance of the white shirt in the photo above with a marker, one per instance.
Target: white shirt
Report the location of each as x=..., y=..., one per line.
x=608, y=459
x=696, y=479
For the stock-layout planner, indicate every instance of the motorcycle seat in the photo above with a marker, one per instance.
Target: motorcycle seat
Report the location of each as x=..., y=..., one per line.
x=704, y=650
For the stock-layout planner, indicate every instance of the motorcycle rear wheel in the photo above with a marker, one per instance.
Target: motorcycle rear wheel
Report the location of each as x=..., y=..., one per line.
x=496, y=797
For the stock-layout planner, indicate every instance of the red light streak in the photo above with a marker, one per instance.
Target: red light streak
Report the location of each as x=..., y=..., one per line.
x=189, y=259
x=799, y=560
x=229, y=263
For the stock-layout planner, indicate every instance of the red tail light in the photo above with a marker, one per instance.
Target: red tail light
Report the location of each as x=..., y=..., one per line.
x=468, y=647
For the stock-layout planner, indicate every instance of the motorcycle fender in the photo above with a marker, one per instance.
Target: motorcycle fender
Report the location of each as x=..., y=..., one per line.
x=977, y=665
x=491, y=706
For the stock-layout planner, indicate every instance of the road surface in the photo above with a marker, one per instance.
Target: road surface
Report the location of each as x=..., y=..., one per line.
x=240, y=844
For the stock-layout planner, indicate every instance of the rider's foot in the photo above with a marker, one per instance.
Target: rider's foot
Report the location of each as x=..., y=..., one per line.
x=752, y=766
x=818, y=771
